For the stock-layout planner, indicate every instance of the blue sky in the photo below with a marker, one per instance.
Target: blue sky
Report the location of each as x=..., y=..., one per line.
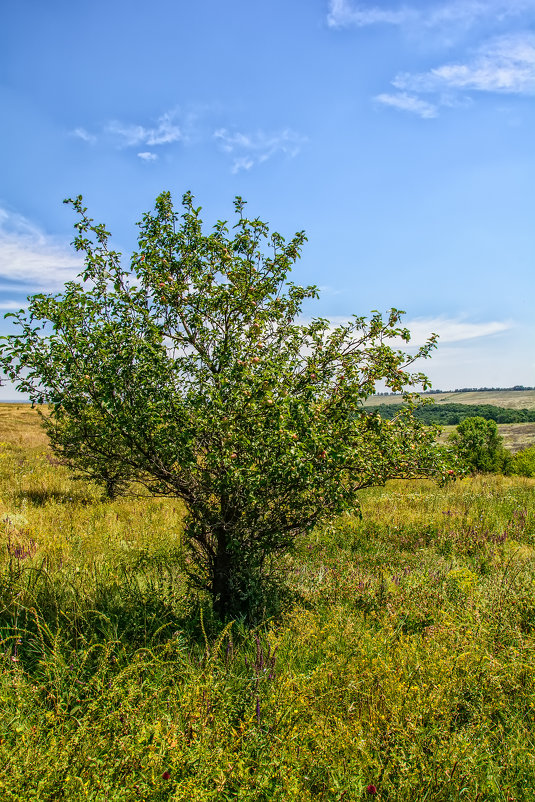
x=398, y=135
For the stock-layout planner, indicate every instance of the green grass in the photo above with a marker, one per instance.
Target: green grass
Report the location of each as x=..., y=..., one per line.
x=403, y=657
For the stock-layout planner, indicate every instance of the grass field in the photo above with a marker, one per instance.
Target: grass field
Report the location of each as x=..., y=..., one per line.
x=510, y=399
x=401, y=663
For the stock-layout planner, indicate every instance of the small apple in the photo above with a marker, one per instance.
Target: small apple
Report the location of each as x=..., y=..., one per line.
x=256, y=359
x=233, y=455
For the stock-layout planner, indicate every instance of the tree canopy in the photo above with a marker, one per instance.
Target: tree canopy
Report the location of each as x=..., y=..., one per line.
x=191, y=372
x=480, y=445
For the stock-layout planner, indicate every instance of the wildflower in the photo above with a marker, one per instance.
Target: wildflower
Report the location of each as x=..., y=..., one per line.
x=166, y=775
x=371, y=789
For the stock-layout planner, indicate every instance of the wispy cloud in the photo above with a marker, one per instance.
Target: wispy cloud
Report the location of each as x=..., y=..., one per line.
x=463, y=14
x=30, y=257
x=503, y=61
x=343, y=14
x=502, y=65
x=247, y=150
x=505, y=64
x=453, y=330
x=165, y=132
x=406, y=102
x=11, y=306
x=84, y=135
x=449, y=330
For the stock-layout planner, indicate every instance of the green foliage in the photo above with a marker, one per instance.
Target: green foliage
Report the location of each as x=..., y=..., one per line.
x=81, y=442
x=453, y=414
x=523, y=462
x=479, y=446
x=404, y=662
x=190, y=373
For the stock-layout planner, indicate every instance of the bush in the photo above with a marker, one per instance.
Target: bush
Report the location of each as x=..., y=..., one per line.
x=480, y=446
x=191, y=372
x=523, y=463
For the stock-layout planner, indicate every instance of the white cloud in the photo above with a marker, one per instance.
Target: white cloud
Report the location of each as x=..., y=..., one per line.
x=469, y=354
x=449, y=330
x=164, y=133
x=84, y=135
x=250, y=149
x=29, y=256
x=245, y=149
x=11, y=306
x=505, y=64
x=406, y=102
x=461, y=14
x=482, y=362
x=343, y=14
x=453, y=330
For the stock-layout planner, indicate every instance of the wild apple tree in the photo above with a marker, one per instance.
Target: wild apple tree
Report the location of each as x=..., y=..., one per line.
x=191, y=372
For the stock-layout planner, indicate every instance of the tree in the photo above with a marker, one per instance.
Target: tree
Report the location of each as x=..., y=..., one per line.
x=192, y=374
x=479, y=445
x=523, y=462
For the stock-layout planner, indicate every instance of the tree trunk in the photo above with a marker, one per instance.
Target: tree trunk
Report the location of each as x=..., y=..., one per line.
x=222, y=578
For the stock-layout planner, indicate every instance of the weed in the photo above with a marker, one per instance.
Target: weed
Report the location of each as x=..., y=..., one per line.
x=401, y=667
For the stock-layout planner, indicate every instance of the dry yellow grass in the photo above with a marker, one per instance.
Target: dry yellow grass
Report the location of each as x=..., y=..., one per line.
x=21, y=425
x=510, y=399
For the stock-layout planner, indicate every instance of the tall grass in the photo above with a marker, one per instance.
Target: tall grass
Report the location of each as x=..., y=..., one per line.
x=403, y=663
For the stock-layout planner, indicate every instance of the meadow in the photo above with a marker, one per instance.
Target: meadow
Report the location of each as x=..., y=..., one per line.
x=510, y=399
x=398, y=663
x=516, y=436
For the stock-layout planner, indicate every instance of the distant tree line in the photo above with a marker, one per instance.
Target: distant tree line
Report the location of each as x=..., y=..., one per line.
x=453, y=414
x=517, y=387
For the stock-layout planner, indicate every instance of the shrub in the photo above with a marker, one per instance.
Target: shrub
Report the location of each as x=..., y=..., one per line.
x=479, y=445
x=523, y=462
x=191, y=373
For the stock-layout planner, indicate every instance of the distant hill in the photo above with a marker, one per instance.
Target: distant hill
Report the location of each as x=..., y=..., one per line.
x=509, y=399
x=452, y=414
